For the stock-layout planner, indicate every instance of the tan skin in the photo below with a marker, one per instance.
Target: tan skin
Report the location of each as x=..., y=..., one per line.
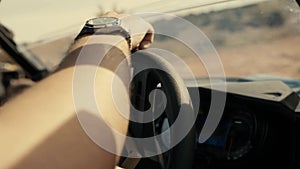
x=39, y=128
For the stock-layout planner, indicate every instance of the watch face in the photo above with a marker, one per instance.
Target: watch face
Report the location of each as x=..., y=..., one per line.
x=103, y=22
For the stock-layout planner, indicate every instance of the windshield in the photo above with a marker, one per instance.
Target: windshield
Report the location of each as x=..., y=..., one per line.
x=250, y=37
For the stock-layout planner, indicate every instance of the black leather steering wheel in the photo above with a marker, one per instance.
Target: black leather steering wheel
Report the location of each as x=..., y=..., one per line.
x=154, y=72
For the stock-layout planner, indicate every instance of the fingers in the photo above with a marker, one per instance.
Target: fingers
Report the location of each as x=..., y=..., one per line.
x=141, y=31
x=114, y=14
x=147, y=40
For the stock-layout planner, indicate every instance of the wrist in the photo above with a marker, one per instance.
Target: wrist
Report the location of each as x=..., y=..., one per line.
x=110, y=50
x=110, y=40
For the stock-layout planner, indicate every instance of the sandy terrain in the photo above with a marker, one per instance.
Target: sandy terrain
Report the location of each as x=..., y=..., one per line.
x=244, y=49
x=280, y=57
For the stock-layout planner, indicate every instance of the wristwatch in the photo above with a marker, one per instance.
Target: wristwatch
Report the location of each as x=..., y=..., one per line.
x=106, y=26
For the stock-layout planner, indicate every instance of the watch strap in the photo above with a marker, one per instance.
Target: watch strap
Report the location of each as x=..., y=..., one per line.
x=115, y=30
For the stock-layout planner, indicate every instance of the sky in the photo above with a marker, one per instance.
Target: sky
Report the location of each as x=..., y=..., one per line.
x=34, y=20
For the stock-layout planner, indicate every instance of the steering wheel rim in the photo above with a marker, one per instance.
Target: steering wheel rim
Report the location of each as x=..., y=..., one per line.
x=182, y=155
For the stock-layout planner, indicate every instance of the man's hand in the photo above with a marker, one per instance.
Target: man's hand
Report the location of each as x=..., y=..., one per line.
x=141, y=32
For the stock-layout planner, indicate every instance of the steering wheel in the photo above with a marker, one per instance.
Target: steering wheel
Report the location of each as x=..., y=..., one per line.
x=153, y=73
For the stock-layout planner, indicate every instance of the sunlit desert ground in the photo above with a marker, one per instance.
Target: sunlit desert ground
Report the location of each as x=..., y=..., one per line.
x=246, y=40
x=280, y=57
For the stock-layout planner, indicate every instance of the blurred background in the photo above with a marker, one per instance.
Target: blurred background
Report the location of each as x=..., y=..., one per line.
x=252, y=37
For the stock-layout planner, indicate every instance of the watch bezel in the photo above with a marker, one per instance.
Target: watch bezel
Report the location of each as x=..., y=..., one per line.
x=116, y=22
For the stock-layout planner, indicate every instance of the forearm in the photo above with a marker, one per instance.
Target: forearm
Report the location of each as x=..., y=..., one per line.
x=40, y=126
x=114, y=48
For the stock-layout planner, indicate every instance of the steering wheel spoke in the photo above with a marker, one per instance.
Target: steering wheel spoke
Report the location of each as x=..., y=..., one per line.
x=154, y=75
